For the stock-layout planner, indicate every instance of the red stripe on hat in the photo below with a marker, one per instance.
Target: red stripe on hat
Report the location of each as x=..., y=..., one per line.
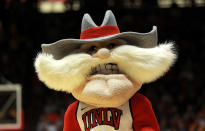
x=100, y=31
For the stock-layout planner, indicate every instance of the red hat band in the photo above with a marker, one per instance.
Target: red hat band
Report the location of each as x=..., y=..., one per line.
x=101, y=31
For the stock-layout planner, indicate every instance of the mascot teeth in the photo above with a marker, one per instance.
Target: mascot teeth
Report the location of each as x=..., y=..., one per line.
x=109, y=68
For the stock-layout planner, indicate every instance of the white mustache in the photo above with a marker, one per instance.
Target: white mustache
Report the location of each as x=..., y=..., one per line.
x=140, y=64
x=145, y=64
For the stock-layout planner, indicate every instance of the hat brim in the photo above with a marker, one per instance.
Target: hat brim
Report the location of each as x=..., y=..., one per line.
x=63, y=47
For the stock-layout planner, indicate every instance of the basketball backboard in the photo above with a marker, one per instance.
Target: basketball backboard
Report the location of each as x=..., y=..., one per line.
x=10, y=107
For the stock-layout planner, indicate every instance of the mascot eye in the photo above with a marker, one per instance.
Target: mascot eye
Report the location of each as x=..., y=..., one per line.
x=111, y=45
x=92, y=49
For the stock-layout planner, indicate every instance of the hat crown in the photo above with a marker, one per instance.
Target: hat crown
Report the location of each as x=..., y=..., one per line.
x=87, y=22
x=109, y=19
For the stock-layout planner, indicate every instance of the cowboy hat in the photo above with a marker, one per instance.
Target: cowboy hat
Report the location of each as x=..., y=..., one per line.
x=108, y=30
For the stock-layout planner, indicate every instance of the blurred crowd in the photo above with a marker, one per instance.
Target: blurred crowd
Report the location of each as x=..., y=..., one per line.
x=178, y=98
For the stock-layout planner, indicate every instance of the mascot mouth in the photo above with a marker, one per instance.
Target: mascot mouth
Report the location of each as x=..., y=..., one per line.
x=105, y=69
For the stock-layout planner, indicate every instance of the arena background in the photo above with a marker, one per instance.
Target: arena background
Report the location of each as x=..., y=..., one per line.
x=178, y=98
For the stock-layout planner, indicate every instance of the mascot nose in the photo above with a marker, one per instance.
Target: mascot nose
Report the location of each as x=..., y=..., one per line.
x=102, y=53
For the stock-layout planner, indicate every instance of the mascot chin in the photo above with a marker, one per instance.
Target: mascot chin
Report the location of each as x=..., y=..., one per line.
x=103, y=70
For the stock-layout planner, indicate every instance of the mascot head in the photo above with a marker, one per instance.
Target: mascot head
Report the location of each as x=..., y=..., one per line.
x=105, y=67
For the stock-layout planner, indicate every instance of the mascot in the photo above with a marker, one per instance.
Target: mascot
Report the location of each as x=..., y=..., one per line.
x=103, y=70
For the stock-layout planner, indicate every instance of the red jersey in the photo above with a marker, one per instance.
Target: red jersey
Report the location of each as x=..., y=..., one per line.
x=135, y=115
